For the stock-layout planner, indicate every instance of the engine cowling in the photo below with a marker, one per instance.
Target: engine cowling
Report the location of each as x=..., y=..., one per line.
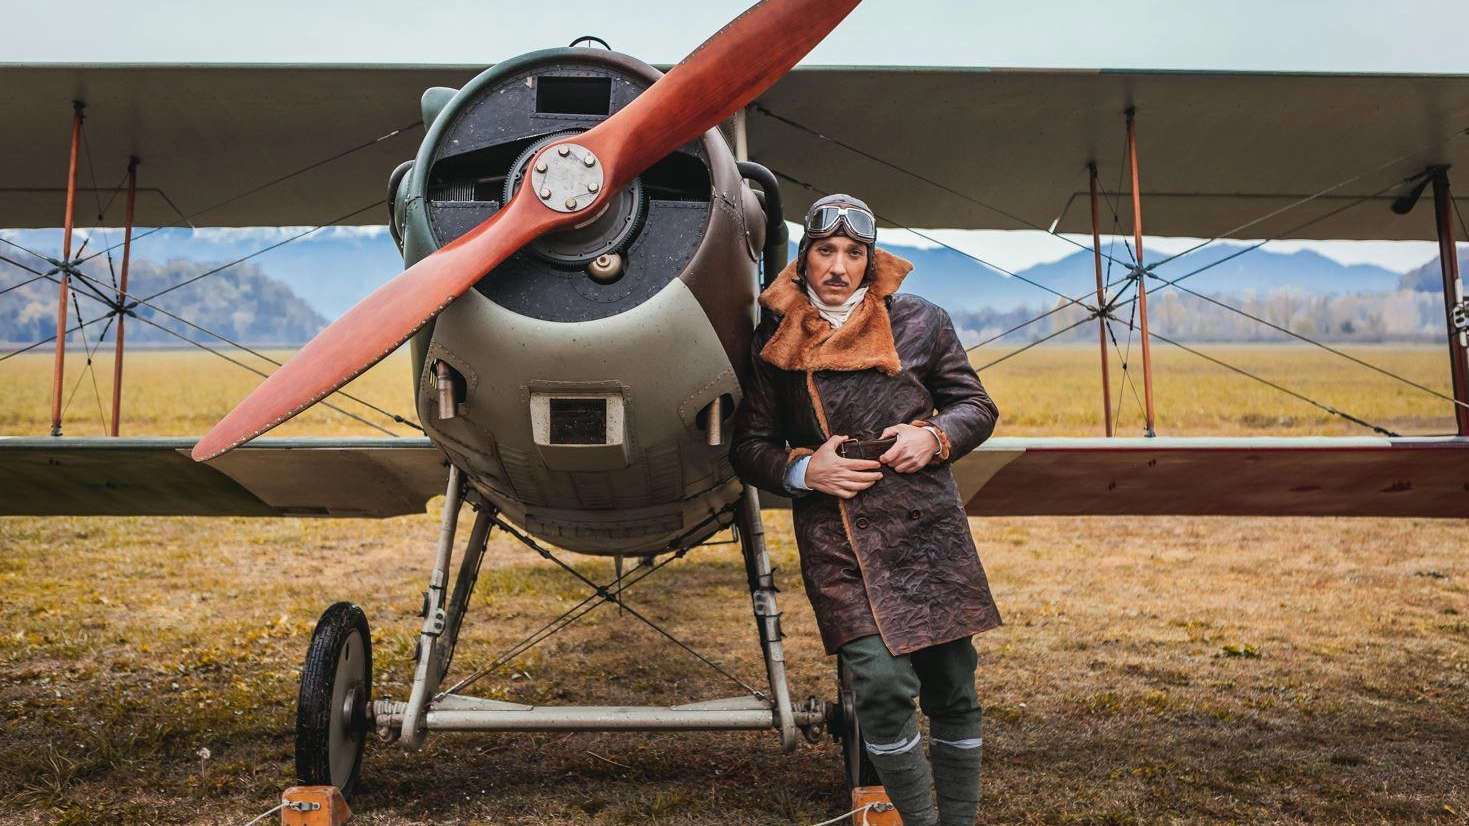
x=575, y=383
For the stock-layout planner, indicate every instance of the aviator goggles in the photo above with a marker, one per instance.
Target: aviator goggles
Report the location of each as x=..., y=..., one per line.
x=824, y=221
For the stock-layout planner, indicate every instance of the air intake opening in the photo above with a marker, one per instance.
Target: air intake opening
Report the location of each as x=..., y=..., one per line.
x=578, y=421
x=573, y=95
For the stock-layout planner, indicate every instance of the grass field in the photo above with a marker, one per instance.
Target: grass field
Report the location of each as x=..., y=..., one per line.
x=1200, y=670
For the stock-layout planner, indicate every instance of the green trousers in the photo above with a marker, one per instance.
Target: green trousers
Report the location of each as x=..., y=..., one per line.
x=942, y=678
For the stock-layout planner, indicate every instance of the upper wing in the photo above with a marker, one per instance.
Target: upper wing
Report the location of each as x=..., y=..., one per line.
x=43, y=476
x=957, y=148
x=219, y=145
x=1008, y=149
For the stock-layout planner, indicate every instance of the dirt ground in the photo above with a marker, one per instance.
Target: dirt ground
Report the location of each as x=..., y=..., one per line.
x=1200, y=670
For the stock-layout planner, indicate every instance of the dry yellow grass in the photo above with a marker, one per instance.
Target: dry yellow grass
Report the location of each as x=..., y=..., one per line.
x=1057, y=391
x=1048, y=390
x=1200, y=670
x=173, y=393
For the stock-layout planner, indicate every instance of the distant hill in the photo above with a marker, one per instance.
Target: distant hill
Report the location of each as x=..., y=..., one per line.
x=1428, y=278
x=241, y=303
x=323, y=273
x=957, y=282
x=331, y=268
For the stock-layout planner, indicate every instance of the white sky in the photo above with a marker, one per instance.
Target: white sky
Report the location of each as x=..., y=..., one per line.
x=1302, y=35
x=1260, y=35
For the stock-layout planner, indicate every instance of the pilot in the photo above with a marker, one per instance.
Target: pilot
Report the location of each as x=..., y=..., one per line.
x=859, y=397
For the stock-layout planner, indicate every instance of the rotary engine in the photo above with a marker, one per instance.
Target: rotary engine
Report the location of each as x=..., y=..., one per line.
x=585, y=384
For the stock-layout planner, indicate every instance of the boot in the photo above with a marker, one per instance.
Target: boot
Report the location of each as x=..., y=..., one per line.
x=905, y=775
x=956, y=760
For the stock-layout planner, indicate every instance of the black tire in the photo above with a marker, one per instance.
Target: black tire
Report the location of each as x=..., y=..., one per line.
x=857, y=766
x=336, y=690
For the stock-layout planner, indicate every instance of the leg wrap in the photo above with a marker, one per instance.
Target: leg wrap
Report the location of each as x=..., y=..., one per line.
x=906, y=776
x=956, y=762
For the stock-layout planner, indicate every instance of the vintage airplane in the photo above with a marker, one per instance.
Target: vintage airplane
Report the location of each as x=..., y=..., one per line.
x=584, y=247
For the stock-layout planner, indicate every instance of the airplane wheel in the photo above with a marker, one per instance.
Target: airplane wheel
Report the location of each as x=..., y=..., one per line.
x=859, y=770
x=336, y=690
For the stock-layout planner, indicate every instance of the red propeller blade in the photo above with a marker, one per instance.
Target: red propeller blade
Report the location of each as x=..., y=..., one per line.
x=378, y=324
x=729, y=70
x=734, y=66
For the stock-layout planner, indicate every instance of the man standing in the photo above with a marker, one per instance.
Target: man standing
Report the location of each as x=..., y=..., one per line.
x=857, y=399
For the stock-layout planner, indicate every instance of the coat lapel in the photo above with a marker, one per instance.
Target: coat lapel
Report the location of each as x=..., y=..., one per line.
x=805, y=342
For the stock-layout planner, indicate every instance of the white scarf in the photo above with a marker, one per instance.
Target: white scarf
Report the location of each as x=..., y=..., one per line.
x=836, y=314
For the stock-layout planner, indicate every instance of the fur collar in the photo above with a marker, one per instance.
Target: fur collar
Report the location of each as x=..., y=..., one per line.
x=805, y=342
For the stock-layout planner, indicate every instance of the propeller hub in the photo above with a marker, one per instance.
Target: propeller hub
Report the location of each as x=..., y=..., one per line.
x=567, y=177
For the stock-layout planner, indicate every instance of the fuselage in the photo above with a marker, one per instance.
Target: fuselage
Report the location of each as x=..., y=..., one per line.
x=574, y=385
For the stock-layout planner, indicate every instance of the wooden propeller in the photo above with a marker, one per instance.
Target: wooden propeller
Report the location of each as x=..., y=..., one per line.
x=734, y=66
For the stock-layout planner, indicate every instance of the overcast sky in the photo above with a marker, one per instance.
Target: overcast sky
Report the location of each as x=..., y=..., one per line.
x=1259, y=35
x=1309, y=35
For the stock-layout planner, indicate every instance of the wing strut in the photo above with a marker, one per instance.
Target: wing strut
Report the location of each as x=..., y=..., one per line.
x=1142, y=287
x=1453, y=296
x=1101, y=301
x=122, y=291
x=71, y=199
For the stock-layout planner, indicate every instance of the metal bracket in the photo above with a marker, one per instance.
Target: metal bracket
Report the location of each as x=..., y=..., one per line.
x=433, y=625
x=1459, y=318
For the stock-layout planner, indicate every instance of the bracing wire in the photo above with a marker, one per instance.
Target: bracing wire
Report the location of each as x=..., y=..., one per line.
x=916, y=176
x=1326, y=407
x=186, y=219
x=608, y=595
x=1321, y=194
x=125, y=297
x=278, y=244
x=181, y=337
x=26, y=250
x=1328, y=348
x=679, y=547
x=971, y=256
x=118, y=308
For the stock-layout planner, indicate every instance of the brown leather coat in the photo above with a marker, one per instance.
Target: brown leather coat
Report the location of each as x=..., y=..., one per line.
x=898, y=559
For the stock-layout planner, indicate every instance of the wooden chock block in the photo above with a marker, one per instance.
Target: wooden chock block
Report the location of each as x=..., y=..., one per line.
x=881, y=811
x=314, y=806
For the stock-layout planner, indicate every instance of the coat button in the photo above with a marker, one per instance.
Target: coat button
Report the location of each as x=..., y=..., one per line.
x=914, y=514
x=862, y=522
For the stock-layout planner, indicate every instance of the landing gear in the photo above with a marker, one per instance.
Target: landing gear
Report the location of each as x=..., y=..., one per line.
x=336, y=693
x=842, y=721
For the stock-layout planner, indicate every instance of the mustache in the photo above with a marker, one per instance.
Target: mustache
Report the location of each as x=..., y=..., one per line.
x=836, y=281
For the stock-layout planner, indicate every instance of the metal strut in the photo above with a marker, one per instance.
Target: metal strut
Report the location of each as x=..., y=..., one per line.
x=761, y=575
x=430, y=710
x=428, y=672
x=1141, y=272
x=122, y=291
x=1455, y=311
x=1102, y=309
x=65, y=267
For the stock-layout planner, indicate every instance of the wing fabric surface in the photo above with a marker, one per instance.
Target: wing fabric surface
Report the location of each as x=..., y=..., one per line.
x=1417, y=477
x=43, y=476
x=1262, y=476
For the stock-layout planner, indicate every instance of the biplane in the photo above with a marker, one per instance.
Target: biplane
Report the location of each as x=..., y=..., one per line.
x=584, y=240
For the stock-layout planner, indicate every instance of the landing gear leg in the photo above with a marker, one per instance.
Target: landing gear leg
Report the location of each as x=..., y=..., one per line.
x=442, y=616
x=767, y=616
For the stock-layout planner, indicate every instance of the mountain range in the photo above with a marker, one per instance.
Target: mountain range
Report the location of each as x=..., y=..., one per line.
x=328, y=270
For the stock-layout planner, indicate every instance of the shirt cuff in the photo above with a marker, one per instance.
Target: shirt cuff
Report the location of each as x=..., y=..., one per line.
x=943, y=451
x=796, y=475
